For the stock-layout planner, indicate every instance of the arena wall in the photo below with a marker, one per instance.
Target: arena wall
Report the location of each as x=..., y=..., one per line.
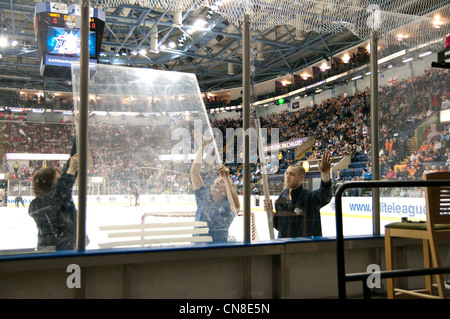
x=280, y=269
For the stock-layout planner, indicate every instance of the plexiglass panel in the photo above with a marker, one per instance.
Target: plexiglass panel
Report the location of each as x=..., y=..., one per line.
x=142, y=150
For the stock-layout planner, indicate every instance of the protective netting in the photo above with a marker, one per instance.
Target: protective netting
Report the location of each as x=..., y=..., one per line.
x=158, y=5
x=415, y=22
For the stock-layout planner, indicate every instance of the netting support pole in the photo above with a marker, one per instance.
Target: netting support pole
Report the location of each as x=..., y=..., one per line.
x=246, y=123
x=374, y=130
x=83, y=128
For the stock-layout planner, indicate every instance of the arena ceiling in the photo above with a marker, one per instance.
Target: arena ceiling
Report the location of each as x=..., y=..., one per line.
x=213, y=53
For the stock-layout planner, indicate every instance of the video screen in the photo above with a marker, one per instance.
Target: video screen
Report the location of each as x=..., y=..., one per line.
x=63, y=41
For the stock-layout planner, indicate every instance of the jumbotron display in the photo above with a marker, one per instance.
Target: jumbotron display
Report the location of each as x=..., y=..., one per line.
x=57, y=31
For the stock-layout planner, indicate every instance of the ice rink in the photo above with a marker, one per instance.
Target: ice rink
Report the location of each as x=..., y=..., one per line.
x=18, y=230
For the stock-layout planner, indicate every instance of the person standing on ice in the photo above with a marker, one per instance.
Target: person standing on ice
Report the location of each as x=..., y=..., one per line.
x=217, y=206
x=135, y=192
x=53, y=208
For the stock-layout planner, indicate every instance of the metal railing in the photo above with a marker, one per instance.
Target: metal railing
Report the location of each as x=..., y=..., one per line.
x=343, y=278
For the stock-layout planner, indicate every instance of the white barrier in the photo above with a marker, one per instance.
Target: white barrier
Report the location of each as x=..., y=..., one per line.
x=390, y=207
x=156, y=234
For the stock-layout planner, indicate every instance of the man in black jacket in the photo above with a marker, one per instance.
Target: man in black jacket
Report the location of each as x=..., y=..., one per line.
x=297, y=209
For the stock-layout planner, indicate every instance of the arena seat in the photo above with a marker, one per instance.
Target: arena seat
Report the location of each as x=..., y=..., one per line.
x=437, y=225
x=361, y=158
x=358, y=165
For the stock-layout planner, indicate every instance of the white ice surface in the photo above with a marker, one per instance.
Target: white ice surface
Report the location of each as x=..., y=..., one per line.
x=18, y=230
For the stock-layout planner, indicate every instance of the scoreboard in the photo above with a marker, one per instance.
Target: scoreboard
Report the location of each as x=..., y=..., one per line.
x=57, y=30
x=64, y=20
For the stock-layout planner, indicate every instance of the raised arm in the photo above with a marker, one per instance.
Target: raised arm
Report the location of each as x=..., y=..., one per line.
x=232, y=195
x=325, y=167
x=196, y=167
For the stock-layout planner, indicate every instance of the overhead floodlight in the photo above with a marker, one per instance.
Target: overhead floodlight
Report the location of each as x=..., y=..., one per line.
x=3, y=42
x=425, y=54
x=324, y=66
x=401, y=36
x=199, y=24
x=345, y=58
x=305, y=76
x=437, y=21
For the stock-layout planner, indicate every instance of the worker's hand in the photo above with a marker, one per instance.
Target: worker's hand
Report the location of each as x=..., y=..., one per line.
x=268, y=205
x=73, y=166
x=198, y=137
x=325, y=164
x=223, y=171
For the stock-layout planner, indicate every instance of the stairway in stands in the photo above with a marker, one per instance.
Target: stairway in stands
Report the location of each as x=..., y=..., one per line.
x=412, y=145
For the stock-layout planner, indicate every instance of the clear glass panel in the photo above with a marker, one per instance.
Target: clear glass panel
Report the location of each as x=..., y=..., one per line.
x=142, y=150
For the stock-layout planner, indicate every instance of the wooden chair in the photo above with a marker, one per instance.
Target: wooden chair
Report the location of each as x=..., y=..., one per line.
x=437, y=225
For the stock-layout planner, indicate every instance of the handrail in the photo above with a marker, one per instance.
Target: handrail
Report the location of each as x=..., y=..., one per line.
x=342, y=276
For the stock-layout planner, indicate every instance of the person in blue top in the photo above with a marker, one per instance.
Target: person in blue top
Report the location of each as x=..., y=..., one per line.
x=53, y=208
x=218, y=205
x=368, y=174
x=297, y=210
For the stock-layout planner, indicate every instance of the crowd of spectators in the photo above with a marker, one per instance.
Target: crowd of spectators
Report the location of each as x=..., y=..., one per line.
x=337, y=66
x=341, y=125
x=19, y=136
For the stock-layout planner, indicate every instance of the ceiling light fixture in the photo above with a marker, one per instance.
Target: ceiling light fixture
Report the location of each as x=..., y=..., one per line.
x=401, y=37
x=199, y=24
x=324, y=66
x=3, y=42
x=425, y=54
x=345, y=58
x=437, y=22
